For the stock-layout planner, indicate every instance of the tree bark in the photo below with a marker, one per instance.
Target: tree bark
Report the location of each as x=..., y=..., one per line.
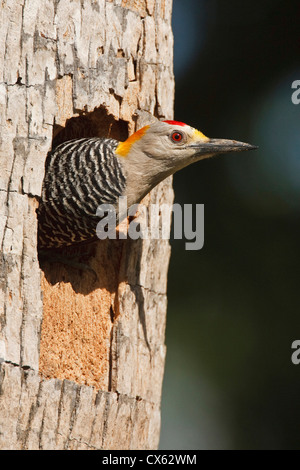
x=81, y=352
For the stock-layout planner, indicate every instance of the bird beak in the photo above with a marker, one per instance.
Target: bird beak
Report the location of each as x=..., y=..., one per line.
x=215, y=146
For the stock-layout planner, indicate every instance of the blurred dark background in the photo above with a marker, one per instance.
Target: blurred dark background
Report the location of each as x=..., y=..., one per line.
x=234, y=306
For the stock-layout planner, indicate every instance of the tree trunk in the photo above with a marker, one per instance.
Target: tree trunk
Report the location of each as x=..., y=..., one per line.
x=81, y=352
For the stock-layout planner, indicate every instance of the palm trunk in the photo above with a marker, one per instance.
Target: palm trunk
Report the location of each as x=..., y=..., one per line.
x=81, y=355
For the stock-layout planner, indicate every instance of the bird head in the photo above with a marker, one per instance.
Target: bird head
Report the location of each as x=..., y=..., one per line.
x=172, y=145
x=161, y=149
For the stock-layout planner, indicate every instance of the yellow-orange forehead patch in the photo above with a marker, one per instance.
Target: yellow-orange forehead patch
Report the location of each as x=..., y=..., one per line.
x=198, y=135
x=124, y=147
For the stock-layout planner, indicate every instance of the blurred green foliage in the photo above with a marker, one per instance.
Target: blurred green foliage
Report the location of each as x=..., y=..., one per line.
x=234, y=306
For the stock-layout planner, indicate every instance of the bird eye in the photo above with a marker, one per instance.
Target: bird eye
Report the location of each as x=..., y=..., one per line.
x=177, y=137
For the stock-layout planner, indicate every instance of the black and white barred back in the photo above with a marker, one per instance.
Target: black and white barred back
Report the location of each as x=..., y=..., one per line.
x=80, y=175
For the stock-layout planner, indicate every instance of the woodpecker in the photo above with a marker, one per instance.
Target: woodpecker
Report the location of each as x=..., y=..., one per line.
x=82, y=174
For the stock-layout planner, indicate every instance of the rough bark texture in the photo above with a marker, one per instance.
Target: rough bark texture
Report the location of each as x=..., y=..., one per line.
x=81, y=353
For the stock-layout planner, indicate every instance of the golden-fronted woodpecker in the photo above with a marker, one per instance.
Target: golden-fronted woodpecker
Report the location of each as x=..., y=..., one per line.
x=82, y=174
